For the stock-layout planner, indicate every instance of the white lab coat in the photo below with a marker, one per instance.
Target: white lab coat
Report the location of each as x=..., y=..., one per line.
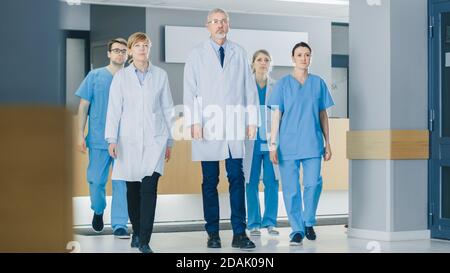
x=207, y=84
x=249, y=144
x=139, y=119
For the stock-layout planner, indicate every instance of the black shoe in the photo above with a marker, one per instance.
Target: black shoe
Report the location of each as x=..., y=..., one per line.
x=145, y=249
x=134, y=241
x=310, y=234
x=97, y=222
x=297, y=240
x=214, y=240
x=242, y=241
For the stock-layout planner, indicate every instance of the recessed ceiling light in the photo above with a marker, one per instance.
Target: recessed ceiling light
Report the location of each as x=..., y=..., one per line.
x=323, y=2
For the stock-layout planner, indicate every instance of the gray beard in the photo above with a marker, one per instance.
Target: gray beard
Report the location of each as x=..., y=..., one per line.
x=220, y=36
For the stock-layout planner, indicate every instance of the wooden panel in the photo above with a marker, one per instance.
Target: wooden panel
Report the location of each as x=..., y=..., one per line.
x=335, y=172
x=81, y=161
x=182, y=176
x=36, y=179
x=388, y=144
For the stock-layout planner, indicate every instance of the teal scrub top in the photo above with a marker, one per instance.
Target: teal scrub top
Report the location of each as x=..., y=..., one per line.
x=300, y=134
x=261, y=139
x=95, y=89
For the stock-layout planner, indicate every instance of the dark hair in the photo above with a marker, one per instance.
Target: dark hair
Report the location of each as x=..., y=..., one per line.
x=117, y=40
x=301, y=44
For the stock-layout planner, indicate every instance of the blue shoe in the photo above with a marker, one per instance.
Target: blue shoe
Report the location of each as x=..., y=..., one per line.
x=297, y=240
x=121, y=233
x=145, y=249
x=97, y=222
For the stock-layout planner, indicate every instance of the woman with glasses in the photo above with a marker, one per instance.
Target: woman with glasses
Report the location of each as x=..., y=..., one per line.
x=257, y=157
x=138, y=126
x=299, y=128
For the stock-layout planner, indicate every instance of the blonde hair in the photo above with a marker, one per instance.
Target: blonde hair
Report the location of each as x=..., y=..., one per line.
x=260, y=51
x=135, y=38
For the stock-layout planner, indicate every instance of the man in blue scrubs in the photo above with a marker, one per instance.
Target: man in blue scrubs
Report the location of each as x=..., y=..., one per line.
x=94, y=94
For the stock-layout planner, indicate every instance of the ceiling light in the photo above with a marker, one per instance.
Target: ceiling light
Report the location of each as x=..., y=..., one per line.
x=323, y=2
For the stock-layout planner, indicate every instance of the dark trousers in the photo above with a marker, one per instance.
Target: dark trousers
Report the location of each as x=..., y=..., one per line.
x=210, y=170
x=141, y=199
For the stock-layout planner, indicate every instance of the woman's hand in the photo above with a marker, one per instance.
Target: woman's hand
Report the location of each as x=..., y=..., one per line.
x=112, y=149
x=251, y=132
x=168, y=153
x=328, y=154
x=274, y=157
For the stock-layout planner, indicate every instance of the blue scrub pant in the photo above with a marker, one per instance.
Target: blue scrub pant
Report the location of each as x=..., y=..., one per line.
x=270, y=192
x=235, y=173
x=97, y=176
x=300, y=216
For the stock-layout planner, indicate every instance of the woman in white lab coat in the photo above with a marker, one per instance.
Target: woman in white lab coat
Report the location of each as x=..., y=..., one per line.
x=138, y=130
x=257, y=156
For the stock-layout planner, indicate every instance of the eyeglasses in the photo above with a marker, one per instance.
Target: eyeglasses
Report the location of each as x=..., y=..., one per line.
x=217, y=21
x=119, y=51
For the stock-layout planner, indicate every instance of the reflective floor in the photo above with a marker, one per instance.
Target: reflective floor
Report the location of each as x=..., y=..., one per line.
x=329, y=239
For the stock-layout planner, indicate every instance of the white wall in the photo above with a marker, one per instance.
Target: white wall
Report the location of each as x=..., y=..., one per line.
x=318, y=29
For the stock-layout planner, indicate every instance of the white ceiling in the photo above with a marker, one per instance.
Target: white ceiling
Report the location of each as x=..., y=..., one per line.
x=338, y=13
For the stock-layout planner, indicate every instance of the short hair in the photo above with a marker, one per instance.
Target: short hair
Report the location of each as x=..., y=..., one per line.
x=218, y=10
x=301, y=44
x=260, y=51
x=137, y=37
x=121, y=41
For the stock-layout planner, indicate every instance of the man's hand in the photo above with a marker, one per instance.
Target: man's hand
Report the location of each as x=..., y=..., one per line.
x=168, y=153
x=82, y=144
x=112, y=149
x=251, y=131
x=328, y=154
x=196, y=132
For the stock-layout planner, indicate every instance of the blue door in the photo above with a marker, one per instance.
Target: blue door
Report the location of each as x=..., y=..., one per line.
x=439, y=119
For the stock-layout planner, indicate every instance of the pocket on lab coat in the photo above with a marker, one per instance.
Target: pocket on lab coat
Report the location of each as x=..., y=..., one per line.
x=126, y=131
x=159, y=127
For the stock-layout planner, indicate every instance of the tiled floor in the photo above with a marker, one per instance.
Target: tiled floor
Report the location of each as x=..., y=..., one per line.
x=330, y=239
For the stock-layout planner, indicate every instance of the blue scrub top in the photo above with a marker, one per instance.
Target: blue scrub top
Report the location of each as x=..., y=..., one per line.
x=95, y=89
x=300, y=134
x=261, y=138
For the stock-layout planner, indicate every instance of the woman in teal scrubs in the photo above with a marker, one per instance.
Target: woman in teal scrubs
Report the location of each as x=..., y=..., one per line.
x=257, y=157
x=300, y=136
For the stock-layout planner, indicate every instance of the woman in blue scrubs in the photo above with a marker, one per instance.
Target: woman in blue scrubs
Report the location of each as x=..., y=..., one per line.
x=257, y=156
x=300, y=136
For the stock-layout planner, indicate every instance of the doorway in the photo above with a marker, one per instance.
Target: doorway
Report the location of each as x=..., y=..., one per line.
x=439, y=119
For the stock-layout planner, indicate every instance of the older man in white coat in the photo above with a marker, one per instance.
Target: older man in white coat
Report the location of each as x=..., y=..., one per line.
x=220, y=99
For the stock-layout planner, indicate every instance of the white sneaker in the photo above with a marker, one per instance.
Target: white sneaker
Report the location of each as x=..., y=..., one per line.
x=272, y=231
x=255, y=232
